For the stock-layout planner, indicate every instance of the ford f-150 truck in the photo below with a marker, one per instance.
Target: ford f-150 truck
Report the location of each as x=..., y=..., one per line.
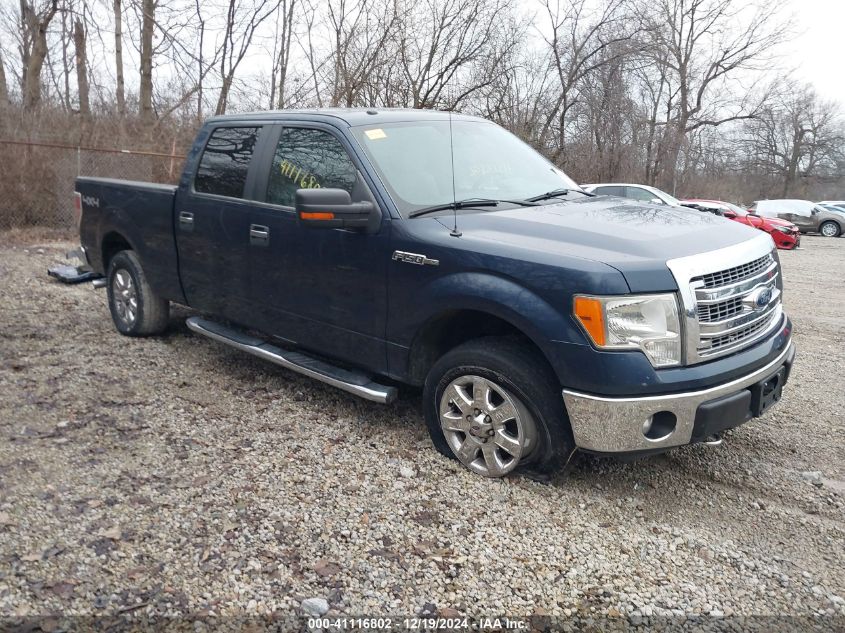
x=370, y=249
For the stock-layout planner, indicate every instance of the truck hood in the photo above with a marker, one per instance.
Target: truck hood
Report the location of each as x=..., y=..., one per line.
x=635, y=238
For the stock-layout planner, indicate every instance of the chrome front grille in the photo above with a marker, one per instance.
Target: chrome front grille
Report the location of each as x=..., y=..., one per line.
x=728, y=307
x=736, y=273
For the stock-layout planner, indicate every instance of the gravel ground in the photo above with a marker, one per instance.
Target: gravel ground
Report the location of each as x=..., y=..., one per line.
x=176, y=476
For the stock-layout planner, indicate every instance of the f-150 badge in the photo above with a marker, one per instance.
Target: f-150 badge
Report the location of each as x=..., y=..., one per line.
x=414, y=258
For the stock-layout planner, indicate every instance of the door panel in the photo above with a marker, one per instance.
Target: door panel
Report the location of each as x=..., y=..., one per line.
x=212, y=221
x=328, y=292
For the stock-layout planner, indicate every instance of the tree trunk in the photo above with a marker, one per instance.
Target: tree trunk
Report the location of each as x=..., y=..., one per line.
x=120, y=88
x=4, y=88
x=81, y=68
x=794, y=159
x=35, y=36
x=223, y=99
x=145, y=93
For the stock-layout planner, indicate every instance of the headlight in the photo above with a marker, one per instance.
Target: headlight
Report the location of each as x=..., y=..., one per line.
x=783, y=229
x=646, y=322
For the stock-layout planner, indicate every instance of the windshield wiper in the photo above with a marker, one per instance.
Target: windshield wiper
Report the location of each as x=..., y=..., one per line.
x=557, y=193
x=466, y=204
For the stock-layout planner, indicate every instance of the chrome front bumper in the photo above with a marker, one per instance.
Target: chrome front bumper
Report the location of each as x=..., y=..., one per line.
x=614, y=425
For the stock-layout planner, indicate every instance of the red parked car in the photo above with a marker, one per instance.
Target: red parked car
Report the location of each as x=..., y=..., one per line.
x=784, y=234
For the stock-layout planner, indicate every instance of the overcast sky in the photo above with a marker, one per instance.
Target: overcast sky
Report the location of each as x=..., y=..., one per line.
x=819, y=47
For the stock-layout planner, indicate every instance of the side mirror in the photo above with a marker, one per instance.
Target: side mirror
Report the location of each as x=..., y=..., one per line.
x=656, y=201
x=331, y=209
x=729, y=214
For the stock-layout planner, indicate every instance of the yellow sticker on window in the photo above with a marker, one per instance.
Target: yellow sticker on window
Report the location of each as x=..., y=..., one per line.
x=375, y=134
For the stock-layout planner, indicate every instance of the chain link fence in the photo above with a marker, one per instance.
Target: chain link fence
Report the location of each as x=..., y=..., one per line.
x=37, y=177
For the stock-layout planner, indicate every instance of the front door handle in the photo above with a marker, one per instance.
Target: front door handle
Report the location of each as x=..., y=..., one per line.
x=259, y=235
x=186, y=220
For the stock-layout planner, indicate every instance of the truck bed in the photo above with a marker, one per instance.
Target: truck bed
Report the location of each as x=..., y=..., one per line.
x=141, y=212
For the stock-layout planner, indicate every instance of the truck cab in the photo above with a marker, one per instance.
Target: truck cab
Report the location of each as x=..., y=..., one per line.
x=375, y=248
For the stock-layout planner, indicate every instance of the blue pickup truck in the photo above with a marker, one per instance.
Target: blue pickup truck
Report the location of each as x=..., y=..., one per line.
x=375, y=248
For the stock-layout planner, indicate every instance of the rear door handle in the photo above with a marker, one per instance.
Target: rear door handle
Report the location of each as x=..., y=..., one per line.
x=186, y=220
x=259, y=235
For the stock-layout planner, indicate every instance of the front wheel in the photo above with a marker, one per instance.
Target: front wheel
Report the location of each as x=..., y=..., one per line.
x=494, y=405
x=829, y=229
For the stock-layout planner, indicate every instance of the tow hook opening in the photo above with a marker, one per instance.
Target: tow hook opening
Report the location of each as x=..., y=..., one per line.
x=660, y=425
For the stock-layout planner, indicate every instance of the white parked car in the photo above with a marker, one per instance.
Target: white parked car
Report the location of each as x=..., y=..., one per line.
x=809, y=217
x=643, y=193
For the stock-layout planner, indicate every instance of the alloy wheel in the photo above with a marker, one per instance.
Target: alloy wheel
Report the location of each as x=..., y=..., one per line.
x=125, y=297
x=488, y=429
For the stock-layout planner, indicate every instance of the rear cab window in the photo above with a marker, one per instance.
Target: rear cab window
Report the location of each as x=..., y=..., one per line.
x=224, y=165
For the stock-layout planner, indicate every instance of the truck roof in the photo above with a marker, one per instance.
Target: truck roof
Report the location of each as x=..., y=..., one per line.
x=350, y=116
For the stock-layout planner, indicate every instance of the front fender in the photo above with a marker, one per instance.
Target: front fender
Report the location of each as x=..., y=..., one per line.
x=531, y=314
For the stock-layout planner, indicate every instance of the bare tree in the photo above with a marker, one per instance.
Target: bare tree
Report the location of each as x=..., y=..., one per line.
x=359, y=35
x=81, y=68
x=581, y=41
x=145, y=94
x=702, y=45
x=4, y=88
x=285, y=22
x=120, y=83
x=441, y=43
x=34, y=25
x=795, y=135
x=242, y=21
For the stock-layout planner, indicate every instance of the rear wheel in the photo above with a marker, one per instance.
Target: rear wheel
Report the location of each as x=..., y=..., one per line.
x=829, y=229
x=493, y=404
x=135, y=309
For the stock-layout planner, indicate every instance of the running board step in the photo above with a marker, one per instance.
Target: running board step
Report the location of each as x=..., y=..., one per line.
x=352, y=381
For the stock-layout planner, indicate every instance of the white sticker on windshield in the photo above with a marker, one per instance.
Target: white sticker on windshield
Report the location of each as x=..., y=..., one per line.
x=375, y=134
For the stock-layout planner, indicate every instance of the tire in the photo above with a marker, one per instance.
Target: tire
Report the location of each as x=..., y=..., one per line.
x=516, y=375
x=830, y=229
x=135, y=309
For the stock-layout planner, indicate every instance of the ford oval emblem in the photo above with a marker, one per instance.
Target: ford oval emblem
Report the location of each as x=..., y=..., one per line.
x=759, y=298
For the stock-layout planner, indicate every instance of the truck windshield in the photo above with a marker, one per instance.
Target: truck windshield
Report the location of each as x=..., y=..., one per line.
x=413, y=160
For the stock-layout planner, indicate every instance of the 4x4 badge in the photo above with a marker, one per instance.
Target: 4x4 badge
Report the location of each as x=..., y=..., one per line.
x=414, y=258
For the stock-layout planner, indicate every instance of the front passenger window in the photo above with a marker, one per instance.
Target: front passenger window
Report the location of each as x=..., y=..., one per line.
x=308, y=159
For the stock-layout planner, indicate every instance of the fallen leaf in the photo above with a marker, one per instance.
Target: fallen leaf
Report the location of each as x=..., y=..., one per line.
x=136, y=572
x=613, y=612
x=63, y=589
x=31, y=557
x=425, y=517
x=5, y=519
x=112, y=533
x=51, y=552
x=325, y=568
x=201, y=481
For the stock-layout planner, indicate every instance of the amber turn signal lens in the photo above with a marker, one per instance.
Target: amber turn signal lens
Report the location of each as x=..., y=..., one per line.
x=317, y=216
x=589, y=312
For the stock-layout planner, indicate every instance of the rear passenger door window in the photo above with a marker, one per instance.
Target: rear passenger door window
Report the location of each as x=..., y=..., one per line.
x=224, y=165
x=610, y=191
x=308, y=159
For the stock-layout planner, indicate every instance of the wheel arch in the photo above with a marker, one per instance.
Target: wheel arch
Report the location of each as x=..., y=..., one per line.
x=448, y=329
x=112, y=243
